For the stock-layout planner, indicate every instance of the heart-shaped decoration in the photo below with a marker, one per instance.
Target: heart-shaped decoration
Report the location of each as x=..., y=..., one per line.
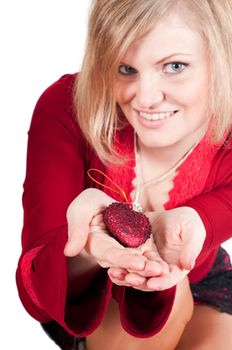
x=129, y=227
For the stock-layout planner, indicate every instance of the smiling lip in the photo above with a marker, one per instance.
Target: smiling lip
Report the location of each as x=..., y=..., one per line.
x=156, y=119
x=156, y=116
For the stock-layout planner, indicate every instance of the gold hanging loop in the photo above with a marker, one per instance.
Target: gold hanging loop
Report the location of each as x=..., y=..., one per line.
x=118, y=189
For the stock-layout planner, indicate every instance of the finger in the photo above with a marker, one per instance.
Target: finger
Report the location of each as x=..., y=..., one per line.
x=193, y=239
x=80, y=213
x=134, y=279
x=117, y=273
x=121, y=258
x=94, y=200
x=191, y=247
x=77, y=237
x=155, y=265
x=98, y=221
x=119, y=282
x=108, y=252
x=153, y=268
x=175, y=276
x=188, y=257
x=78, y=228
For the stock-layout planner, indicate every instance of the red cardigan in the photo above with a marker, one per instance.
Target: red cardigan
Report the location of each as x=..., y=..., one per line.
x=57, y=160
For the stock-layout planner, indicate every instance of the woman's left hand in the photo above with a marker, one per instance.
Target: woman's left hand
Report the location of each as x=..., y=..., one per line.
x=145, y=280
x=178, y=236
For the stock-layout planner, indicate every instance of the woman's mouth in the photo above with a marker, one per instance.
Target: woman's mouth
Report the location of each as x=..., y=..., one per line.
x=155, y=120
x=159, y=116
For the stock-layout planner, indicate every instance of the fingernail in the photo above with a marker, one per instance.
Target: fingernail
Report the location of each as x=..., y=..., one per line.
x=192, y=263
x=133, y=284
x=65, y=250
x=120, y=276
x=156, y=288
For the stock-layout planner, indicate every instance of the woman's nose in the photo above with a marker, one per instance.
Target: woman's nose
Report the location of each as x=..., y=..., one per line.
x=149, y=93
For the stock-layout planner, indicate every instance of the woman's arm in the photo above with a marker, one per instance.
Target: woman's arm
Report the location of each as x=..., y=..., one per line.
x=57, y=159
x=89, y=245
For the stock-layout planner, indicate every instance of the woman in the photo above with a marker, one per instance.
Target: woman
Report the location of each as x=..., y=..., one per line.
x=150, y=118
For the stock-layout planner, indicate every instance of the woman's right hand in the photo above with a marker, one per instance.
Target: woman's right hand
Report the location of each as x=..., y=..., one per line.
x=108, y=252
x=80, y=213
x=87, y=233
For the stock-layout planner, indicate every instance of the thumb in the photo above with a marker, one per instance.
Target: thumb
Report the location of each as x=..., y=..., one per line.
x=76, y=242
x=188, y=257
x=191, y=247
x=78, y=218
x=193, y=237
x=77, y=237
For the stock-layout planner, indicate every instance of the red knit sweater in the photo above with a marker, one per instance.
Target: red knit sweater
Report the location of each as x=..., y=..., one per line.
x=57, y=161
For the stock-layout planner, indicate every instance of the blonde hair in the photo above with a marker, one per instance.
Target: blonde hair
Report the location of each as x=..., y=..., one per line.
x=113, y=26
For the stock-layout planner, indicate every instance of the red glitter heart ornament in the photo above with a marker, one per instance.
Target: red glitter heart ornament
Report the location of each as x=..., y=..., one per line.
x=129, y=227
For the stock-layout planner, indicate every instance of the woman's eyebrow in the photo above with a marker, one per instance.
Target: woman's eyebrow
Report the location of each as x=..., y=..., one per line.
x=161, y=60
x=172, y=56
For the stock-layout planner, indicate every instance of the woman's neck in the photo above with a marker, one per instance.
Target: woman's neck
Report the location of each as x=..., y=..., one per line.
x=173, y=153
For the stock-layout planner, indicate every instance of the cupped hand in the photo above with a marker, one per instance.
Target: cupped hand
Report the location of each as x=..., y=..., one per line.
x=157, y=275
x=87, y=233
x=108, y=252
x=179, y=235
x=154, y=266
x=80, y=213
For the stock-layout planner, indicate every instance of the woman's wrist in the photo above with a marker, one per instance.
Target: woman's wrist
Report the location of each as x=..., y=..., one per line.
x=82, y=269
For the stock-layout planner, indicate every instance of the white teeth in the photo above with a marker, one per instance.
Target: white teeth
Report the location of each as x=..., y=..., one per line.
x=156, y=116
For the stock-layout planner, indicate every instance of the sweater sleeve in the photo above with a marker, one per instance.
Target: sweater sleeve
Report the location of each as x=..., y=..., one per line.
x=215, y=209
x=56, y=165
x=215, y=205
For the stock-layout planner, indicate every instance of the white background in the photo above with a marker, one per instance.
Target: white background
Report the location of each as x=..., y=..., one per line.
x=40, y=41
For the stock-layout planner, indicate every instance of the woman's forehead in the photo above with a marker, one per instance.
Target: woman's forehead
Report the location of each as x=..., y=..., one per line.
x=171, y=35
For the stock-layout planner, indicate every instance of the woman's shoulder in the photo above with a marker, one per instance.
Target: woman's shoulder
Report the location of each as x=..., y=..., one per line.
x=55, y=109
x=225, y=151
x=221, y=170
x=57, y=98
x=66, y=81
x=60, y=92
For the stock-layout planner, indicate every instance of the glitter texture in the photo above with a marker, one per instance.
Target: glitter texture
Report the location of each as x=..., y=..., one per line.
x=129, y=227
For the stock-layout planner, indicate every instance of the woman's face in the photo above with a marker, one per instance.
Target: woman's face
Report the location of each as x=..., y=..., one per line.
x=163, y=83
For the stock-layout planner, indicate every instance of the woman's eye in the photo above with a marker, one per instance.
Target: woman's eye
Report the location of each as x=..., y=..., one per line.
x=174, y=67
x=126, y=70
